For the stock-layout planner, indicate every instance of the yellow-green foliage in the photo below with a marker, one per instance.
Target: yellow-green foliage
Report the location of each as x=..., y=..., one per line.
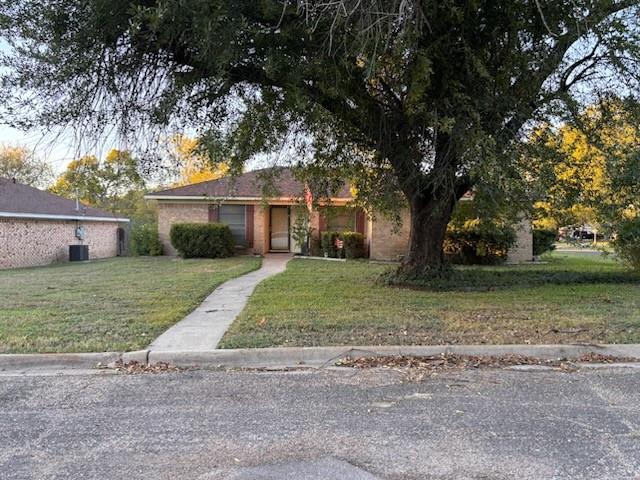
x=593, y=175
x=102, y=183
x=194, y=165
x=19, y=163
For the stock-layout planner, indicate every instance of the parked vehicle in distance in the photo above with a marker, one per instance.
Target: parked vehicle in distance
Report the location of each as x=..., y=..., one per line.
x=582, y=235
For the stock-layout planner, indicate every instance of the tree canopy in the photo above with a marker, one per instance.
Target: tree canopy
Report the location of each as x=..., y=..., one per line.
x=424, y=98
x=193, y=164
x=589, y=171
x=112, y=184
x=20, y=163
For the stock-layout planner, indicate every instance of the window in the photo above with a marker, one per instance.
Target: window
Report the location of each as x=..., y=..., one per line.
x=339, y=219
x=234, y=216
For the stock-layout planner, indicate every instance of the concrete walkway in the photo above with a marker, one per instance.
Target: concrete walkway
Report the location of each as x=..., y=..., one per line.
x=203, y=328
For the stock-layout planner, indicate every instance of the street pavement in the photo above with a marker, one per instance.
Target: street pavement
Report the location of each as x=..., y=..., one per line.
x=322, y=424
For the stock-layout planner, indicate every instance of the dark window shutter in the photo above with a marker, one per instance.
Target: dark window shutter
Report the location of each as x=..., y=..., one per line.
x=214, y=214
x=360, y=220
x=249, y=224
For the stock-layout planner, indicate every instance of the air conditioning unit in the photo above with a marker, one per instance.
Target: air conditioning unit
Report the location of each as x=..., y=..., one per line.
x=78, y=253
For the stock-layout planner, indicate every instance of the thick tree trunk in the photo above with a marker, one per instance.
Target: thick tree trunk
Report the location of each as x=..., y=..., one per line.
x=432, y=197
x=429, y=220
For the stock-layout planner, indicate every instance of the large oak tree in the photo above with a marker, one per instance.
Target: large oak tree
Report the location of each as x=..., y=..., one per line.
x=425, y=98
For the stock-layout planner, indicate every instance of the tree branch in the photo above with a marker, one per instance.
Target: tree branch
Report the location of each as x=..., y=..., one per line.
x=564, y=85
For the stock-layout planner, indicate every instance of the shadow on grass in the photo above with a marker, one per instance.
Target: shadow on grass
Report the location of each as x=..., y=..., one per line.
x=493, y=278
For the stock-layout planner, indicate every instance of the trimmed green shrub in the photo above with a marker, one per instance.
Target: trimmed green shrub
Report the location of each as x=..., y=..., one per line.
x=144, y=240
x=353, y=244
x=627, y=242
x=477, y=242
x=543, y=240
x=328, y=243
x=202, y=240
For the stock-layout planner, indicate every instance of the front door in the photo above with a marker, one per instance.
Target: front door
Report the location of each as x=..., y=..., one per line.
x=279, y=229
x=122, y=244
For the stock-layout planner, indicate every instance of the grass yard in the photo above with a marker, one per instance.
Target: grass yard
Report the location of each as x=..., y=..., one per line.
x=572, y=298
x=116, y=304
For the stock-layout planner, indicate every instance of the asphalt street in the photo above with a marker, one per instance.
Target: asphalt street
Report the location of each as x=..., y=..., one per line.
x=328, y=424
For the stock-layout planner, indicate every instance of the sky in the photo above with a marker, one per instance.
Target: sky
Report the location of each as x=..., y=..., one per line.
x=58, y=152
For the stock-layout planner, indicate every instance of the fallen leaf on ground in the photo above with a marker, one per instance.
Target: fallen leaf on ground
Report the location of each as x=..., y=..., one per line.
x=451, y=361
x=134, y=368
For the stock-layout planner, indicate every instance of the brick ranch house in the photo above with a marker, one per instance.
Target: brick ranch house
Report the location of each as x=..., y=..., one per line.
x=37, y=227
x=261, y=225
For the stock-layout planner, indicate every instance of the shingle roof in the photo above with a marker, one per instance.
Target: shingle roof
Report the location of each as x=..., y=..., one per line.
x=17, y=199
x=247, y=185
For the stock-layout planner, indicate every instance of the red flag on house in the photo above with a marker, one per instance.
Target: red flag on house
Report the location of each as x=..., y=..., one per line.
x=308, y=197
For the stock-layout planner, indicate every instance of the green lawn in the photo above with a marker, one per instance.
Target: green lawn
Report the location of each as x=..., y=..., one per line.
x=117, y=304
x=572, y=298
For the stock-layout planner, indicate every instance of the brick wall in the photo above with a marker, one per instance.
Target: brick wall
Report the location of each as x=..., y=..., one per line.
x=28, y=242
x=522, y=251
x=387, y=241
x=385, y=244
x=260, y=229
x=170, y=213
x=314, y=222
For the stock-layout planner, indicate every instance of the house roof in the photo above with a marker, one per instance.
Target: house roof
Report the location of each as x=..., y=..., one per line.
x=248, y=185
x=22, y=201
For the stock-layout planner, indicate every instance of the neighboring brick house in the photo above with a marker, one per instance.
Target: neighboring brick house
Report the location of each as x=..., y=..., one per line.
x=36, y=227
x=263, y=224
